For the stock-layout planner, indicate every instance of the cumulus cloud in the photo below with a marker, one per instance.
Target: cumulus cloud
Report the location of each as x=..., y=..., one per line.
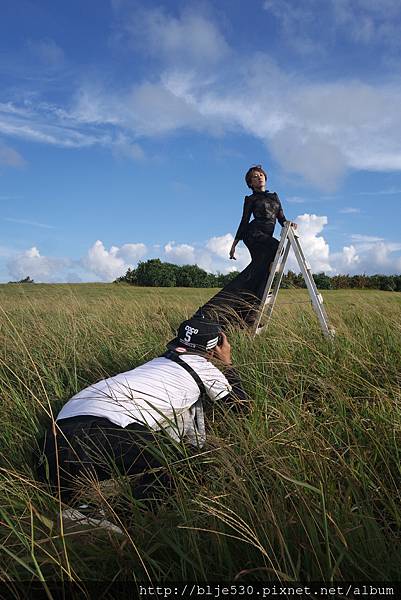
x=365, y=254
x=315, y=247
x=369, y=257
x=212, y=256
x=40, y=268
x=109, y=264
x=181, y=254
x=220, y=247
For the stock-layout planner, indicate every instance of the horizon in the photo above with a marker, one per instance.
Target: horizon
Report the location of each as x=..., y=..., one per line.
x=126, y=131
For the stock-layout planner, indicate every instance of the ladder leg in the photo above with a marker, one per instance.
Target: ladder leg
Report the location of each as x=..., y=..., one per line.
x=279, y=276
x=269, y=283
x=316, y=298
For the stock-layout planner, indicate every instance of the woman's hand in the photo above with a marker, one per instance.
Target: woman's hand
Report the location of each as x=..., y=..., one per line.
x=293, y=225
x=232, y=251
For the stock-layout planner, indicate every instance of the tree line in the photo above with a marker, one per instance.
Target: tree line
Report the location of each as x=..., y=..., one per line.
x=389, y=283
x=156, y=273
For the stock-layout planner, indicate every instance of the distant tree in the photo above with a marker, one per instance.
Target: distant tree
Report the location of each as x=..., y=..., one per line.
x=193, y=276
x=385, y=282
x=322, y=281
x=222, y=280
x=291, y=280
x=155, y=273
x=129, y=277
x=25, y=280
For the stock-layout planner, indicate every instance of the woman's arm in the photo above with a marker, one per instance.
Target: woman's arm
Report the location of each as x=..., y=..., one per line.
x=281, y=217
x=246, y=215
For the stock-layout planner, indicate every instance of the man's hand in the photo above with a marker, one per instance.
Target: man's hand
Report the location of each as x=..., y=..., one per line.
x=293, y=225
x=223, y=351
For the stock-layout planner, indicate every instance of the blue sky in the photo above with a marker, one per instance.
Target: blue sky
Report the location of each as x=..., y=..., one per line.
x=126, y=128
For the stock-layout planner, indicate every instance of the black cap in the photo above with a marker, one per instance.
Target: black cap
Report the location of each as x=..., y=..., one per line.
x=197, y=335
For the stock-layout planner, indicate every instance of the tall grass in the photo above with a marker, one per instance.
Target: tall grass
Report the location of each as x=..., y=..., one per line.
x=304, y=485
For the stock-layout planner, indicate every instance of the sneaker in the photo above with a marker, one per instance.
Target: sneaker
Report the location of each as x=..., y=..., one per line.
x=85, y=514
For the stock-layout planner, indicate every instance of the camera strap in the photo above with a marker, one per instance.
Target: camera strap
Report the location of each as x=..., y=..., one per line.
x=174, y=356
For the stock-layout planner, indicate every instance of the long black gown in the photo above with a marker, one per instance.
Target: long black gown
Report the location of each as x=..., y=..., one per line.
x=238, y=302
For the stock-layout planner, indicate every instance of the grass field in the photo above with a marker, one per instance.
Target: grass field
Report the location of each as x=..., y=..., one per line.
x=306, y=486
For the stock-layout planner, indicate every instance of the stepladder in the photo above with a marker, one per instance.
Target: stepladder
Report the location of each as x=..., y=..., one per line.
x=290, y=239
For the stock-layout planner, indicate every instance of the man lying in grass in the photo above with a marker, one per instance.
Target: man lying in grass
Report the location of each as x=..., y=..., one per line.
x=118, y=424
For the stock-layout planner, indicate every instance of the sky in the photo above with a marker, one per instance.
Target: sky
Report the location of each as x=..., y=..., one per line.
x=126, y=129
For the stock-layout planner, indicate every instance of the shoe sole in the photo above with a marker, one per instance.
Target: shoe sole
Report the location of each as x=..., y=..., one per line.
x=72, y=515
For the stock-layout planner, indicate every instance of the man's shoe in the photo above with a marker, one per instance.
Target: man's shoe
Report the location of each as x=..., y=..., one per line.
x=85, y=514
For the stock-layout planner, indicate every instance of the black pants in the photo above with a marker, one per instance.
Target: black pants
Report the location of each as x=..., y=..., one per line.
x=94, y=448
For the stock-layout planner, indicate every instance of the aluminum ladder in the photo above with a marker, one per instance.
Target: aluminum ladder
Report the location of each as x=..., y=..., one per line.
x=289, y=237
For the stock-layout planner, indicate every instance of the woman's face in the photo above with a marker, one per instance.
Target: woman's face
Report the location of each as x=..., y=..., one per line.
x=258, y=181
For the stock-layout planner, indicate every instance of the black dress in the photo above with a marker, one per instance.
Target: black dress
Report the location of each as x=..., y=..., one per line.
x=239, y=301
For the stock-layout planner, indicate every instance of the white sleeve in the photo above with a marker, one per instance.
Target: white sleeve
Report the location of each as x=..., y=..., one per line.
x=215, y=382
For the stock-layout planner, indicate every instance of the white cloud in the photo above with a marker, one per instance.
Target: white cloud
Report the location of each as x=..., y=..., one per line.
x=182, y=254
x=315, y=130
x=220, y=245
x=371, y=258
x=366, y=254
x=109, y=264
x=190, y=37
x=314, y=246
x=308, y=127
x=212, y=256
x=49, y=124
x=40, y=268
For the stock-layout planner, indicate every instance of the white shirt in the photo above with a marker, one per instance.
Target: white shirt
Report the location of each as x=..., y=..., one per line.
x=158, y=394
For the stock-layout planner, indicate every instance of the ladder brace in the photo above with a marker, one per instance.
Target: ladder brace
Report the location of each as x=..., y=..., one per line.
x=290, y=238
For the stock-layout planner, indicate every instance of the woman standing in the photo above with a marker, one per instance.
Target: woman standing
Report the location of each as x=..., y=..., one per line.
x=240, y=299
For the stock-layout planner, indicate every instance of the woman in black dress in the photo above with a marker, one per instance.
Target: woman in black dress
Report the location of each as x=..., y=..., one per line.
x=239, y=301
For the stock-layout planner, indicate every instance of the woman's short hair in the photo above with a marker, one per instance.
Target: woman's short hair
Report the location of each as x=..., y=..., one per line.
x=250, y=171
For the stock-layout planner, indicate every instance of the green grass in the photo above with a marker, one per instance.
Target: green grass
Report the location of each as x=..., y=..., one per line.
x=305, y=486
